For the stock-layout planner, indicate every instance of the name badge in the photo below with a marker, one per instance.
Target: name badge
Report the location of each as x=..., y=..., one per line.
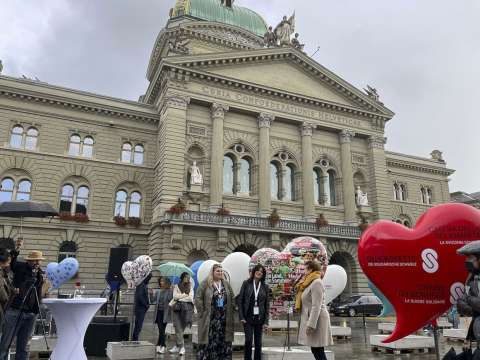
x=220, y=302
x=256, y=310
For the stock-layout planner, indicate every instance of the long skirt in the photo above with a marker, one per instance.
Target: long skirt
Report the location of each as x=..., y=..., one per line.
x=217, y=348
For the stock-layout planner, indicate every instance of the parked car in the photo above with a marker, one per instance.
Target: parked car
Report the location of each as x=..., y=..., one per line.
x=358, y=305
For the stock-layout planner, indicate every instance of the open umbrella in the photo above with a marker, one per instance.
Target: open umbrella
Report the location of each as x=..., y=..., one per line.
x=173, y=270
x=21, y=209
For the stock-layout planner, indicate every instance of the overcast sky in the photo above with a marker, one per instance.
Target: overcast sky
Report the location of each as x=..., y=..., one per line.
x=422, y=56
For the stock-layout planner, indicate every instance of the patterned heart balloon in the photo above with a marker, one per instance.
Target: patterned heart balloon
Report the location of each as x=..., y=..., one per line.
x=58, y=274
x=419, y=270
x=127, y=274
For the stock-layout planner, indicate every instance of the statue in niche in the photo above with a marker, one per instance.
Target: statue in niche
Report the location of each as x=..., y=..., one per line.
x=285, y=30
x=296, y=43
x=196, y=177
x=361, y=197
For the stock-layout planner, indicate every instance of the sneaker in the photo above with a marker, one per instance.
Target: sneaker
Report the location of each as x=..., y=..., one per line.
x=182, y=351
x=161, y=349
x=173, y=350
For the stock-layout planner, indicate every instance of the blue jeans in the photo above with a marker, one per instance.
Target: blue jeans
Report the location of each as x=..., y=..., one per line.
x=23, y=332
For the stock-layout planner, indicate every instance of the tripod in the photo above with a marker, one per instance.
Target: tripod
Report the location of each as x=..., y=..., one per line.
x=17, y=320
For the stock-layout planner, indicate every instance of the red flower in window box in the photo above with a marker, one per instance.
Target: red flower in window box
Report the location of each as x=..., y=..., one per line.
x=178, y=208
x=134, y=221
x=321, y=221
x=81, y=218
x=223, y=211
x=65, y=216
x=120, y=220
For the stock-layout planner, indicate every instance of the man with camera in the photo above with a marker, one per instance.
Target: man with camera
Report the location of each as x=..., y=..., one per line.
x=20, y=317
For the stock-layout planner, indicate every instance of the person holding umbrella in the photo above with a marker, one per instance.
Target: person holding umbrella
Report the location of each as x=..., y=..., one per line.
x=20, y=317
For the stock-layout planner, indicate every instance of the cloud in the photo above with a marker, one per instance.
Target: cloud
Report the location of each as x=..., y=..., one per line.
x=421, y=56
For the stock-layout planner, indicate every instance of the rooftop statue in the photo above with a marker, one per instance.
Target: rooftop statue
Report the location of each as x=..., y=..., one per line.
x=285, y=30
x=296, y=43
x=227, y=3
x=270, y=38
x=372, y=92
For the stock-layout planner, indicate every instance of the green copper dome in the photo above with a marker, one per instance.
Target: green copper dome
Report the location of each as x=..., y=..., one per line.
x=213, y=10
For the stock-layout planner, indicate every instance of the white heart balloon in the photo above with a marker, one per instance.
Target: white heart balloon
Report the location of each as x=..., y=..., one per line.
x=127, y=274
x=134, y=272
x=334, y=281
x=204, y=270
x=237, y=263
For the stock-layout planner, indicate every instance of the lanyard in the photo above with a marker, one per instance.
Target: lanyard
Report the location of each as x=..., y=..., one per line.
x=256, y=291
x=218, y=287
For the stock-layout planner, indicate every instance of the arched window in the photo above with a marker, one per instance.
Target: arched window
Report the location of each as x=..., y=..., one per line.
x=19, y=139
x=74, y=200
x=427, y=194
x=275, y=181
x=16, y=138
x=403, y=192
x=332, y=200
x=68, y=249
x=78, y=147
x=121, y=203
x=396, y=193
x=23, y=191
x=6, y=190
x=11, y=190
x=74, y=148
x=82, y=200
x=127, y=152
x=289, y=183
x=228, y=178
x=134, y=208
x=138, y=155
x=87, y=150
x=128, y=205
x=245, y=176
x=31, y=139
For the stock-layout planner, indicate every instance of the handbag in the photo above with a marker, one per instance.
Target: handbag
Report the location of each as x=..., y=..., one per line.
x=177, y=307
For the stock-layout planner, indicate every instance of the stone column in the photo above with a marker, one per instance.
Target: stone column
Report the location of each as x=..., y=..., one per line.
x=307, y=171
x=264, y=195
x=216, y=167
x=347, y=176
x=380, y=195
x=170, y=163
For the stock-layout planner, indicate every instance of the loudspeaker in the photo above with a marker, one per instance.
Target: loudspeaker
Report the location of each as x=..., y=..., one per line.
x=118, y=256
x=102, y=330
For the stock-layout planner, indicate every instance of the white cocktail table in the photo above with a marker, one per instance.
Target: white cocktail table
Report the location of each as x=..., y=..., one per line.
x=72, y=317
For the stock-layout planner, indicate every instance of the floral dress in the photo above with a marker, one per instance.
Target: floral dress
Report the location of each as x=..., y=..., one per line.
x=217, y=348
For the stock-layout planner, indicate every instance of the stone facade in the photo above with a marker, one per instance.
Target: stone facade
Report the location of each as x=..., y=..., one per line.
x=227, y=96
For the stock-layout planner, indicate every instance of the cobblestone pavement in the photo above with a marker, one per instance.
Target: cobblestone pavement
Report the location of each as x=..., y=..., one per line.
x=357, y=348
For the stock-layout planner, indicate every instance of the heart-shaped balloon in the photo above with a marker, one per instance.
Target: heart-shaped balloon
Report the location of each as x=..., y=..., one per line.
x=204, y=270
x=128, y=274
x=419, y=270
x=237, y=263
x=134, y=272
x=334, y=282
x=59, y=274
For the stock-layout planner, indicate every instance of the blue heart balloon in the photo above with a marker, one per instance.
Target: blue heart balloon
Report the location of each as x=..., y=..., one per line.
x=194, y=267
x=387, y=306
x=58, y=274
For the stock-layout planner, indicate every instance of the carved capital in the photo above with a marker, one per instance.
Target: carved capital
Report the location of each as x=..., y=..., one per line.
x=177, y=101
x=265, y=120
x=346, y=136
x=377, y=142
x=219, y=110
x=307, y=129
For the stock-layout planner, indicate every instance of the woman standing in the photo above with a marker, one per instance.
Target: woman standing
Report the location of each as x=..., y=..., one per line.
x=253, y=310
x=215, y=307
x=182, y=306
x=315, y=328
x=163, y=296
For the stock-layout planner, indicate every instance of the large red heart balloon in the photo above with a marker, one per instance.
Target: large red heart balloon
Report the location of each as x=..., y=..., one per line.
x=419, y=270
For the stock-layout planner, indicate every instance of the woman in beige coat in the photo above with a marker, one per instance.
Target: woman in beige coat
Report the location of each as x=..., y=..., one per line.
x=315, y=328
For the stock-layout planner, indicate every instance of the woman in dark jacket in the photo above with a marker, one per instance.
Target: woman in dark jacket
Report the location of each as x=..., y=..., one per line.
x=142, y=303
x=253, y=309
x=163, y=315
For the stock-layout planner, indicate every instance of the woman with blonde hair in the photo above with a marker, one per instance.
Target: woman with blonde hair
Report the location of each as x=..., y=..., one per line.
x=215, y=306
x=315, y=330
